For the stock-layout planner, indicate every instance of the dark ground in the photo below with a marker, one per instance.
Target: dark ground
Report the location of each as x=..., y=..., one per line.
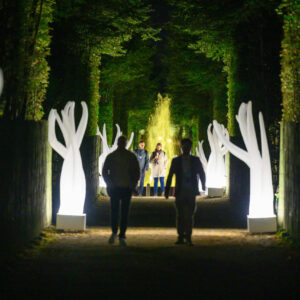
x=225, y=263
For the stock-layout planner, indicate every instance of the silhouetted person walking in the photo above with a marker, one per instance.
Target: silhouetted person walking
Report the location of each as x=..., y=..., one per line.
x=188, y=170
x=121, y=172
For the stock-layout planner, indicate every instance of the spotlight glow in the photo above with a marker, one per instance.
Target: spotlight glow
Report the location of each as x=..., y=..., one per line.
x=72, y=179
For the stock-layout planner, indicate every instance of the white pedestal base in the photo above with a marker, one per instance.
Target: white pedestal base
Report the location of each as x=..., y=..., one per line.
x=215, y=192
x=260, y=225
x=71, y=222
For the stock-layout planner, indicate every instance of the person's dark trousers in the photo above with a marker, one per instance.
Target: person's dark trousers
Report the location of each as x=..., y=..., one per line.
x=119, y=197
x=162, y=184
x=185, y=210
x=141, y=186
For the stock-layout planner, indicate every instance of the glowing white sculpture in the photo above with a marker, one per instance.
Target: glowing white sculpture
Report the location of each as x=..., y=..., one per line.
x=201, y=155
x=1, y=81
x=105, y=149
x=72, y=179
x=261, y=190
x=214, y=168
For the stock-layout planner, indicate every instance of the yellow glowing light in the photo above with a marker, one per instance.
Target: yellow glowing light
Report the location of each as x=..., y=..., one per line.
x=160, y=129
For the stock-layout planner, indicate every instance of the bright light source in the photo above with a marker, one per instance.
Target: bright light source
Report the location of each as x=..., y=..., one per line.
x=169, y=140
x=72, y=179
x=214, y=168
x=261, y=190
x=105, y=149
x=160, y=138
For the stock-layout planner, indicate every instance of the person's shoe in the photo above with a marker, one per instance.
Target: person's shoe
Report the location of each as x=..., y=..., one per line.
x=189, y=242
x=163, y=193
x=180, y=241
x=155, y=195
x=122, y=242
x=112, y=238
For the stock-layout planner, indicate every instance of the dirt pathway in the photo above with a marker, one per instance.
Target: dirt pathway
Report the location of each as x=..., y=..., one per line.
x=223, y=264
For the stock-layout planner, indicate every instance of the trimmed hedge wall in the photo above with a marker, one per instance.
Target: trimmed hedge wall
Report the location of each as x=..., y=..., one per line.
x=25, y=181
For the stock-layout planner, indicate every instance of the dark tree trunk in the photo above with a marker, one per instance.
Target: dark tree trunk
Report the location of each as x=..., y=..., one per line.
x=239, y=183
x=289, y=178
x=25, y=181
x=90, y=152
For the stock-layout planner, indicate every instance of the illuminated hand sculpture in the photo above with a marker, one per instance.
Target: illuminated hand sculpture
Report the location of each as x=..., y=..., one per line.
x=261, y=190
x=72, y=179
x=216, y=169
x=105, y=149
x=201, y=155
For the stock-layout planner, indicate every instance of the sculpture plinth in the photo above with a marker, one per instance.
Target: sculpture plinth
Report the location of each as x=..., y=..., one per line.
x=71, y=222
x=260, y=225
x=215, y=192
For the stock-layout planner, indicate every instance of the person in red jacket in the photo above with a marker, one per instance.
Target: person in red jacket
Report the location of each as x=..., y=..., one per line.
x=188, y=170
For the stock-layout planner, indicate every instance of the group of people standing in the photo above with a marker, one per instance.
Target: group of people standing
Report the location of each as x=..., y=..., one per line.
x=123, y=169
x=158, y=161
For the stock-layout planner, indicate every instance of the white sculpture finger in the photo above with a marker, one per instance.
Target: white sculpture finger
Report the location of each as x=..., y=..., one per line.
x=82, y=124
x=55, y=144
x=238, y=152
x=62, y=128
x=67, y=126
x=130, y=140
x=71, y=116
x=242, y=121
x=251, y=133
x=202, y=156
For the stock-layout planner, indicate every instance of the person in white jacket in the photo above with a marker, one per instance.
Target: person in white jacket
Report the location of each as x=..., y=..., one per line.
x=159, y=162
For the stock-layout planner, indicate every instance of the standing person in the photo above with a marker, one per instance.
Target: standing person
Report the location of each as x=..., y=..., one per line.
x=159, y=162
x=143, y=158
x=121, y=172
x=188, y=170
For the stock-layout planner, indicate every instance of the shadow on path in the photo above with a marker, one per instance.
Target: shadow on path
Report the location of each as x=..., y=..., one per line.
x=223, y=264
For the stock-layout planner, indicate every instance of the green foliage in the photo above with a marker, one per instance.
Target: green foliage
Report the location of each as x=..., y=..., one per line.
x=85, y=31
x=196, y=83
x=106, y=25
x=240, y=34
x=127, y=87
x=93, y=96
x=290, y=60
x=39, y=69
x=25, y=38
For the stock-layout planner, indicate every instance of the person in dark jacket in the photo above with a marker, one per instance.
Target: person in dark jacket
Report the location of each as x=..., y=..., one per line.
x=143, y=158
x=121, y=172
x=188, y=170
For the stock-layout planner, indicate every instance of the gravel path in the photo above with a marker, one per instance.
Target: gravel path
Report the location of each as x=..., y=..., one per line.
x=223, y=264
